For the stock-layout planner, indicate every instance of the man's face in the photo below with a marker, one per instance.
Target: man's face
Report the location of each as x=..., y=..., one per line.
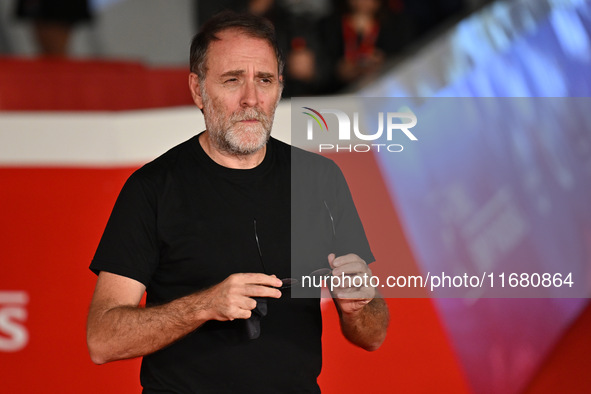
x=240, y=93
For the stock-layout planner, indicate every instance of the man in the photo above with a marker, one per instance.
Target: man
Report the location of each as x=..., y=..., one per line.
x=205, y=230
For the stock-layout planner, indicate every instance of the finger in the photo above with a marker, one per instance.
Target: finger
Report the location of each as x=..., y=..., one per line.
x=259, y=279
x=249, y=304
x=347, y=259
x=245, y=304
x=354, y=283
x=236, y=312
x=331, y=258
x=241, y=314
x=262, y=291
x=364, y=294
x=357, y=268
x=350, y=282
x=358, y=303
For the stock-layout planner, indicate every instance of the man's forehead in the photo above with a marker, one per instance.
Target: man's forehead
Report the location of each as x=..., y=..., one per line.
x=235, y=44
x=233, y=32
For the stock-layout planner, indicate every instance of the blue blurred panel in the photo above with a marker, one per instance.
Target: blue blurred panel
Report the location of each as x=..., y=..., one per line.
x=499, y=185
x=503, y=184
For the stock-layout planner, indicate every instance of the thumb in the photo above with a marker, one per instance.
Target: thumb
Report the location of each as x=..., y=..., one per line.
x=331, y=258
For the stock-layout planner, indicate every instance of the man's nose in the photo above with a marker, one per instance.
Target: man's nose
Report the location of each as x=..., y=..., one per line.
x=249, y=95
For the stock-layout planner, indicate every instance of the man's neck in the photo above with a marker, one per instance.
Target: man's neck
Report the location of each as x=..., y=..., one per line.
x=229, y=160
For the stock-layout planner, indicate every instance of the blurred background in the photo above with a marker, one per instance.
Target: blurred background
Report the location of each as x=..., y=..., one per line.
x=91, y=90
x=329, y=44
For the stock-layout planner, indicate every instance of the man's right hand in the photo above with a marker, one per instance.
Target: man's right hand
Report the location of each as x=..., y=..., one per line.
x=233, y=298
x=118, y=328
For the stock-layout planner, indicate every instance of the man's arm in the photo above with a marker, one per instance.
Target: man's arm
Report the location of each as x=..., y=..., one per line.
x=118, y=328
x=364, y=317
x=367, y=327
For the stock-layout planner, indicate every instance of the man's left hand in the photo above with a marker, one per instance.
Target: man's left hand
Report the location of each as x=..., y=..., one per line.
x=352, y=295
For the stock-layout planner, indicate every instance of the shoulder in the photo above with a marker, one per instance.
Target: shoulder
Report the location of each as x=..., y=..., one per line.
x=301, y=158
x=152, y=178
x=309, y=161
x=175, y=159
x=312, y=171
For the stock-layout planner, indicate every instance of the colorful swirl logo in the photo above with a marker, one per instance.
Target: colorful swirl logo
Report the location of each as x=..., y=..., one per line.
x=315, y=118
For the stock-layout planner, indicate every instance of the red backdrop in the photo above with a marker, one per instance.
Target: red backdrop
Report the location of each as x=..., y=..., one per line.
x=52, y=219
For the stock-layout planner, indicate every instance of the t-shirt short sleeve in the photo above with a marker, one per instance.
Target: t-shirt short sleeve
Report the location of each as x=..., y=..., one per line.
x=348, y=229
x=129, y=245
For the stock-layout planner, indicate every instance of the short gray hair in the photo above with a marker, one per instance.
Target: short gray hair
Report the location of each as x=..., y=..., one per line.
x=251, y=25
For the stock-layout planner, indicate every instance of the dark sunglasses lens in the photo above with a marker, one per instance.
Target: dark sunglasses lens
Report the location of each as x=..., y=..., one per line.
x=288, y=282
x=321, y=272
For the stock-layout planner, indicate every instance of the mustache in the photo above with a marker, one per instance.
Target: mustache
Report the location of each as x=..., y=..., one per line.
x=249, y=114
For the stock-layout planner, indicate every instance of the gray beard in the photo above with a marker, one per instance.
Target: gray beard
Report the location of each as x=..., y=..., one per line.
x=229, y=136
x=230, y=139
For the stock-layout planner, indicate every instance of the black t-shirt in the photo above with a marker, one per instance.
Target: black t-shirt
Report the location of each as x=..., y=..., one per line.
x=183, y=223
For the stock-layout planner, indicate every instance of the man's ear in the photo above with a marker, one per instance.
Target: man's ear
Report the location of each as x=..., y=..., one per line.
x=195, y=91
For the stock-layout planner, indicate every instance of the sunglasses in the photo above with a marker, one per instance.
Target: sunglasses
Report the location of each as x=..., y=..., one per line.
x=253, y=324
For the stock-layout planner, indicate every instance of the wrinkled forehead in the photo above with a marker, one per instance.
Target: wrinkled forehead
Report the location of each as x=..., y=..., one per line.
x=233, y=45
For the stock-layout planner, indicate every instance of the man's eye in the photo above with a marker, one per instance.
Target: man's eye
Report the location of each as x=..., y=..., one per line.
x=231, y=80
